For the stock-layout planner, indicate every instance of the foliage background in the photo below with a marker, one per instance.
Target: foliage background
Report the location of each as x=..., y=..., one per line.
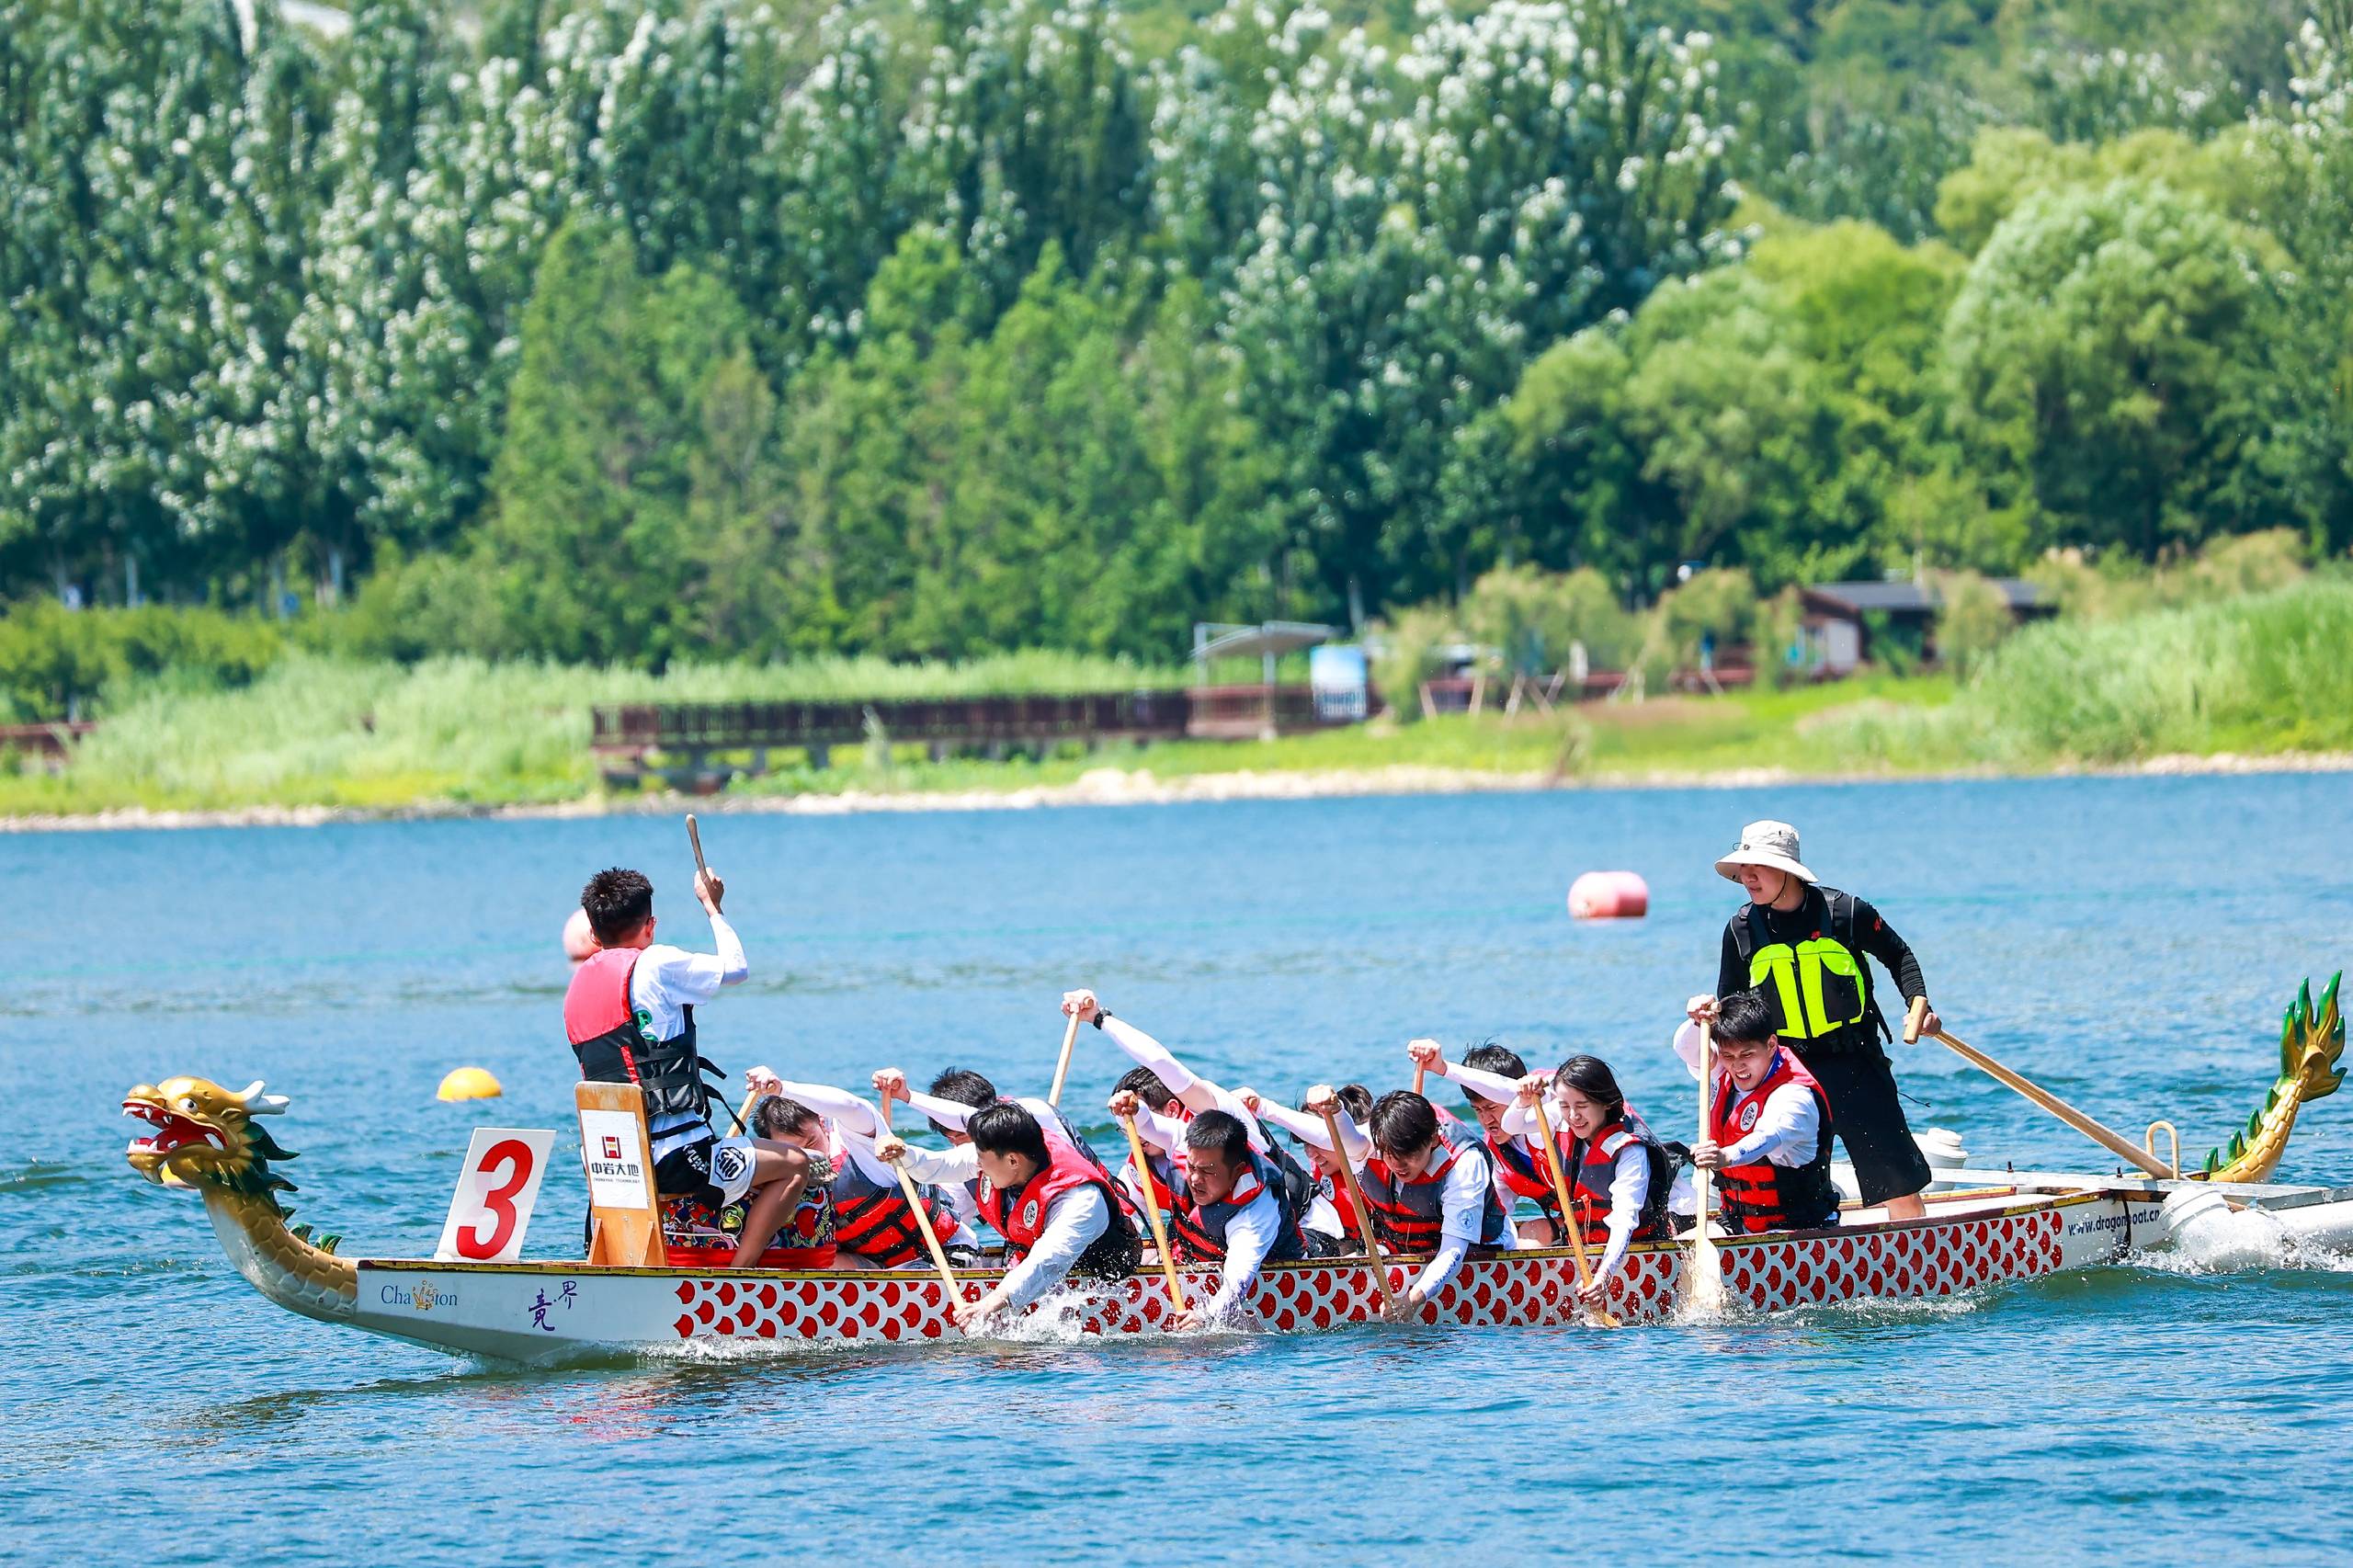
x=631, y=332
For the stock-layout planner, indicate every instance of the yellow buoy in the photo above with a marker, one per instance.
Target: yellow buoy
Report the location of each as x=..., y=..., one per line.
x=468, y=1084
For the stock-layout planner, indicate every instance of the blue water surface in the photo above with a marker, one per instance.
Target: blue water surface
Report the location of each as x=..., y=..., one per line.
x=2129, y=942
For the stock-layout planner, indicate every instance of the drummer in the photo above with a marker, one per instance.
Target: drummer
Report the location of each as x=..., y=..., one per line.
x=1802, y=946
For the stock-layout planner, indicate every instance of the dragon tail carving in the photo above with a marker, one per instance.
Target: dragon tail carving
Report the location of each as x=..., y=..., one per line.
x=2311, y=1042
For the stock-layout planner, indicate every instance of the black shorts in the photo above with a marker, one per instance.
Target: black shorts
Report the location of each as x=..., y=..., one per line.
x=1868, y=1120
x=685, y=1173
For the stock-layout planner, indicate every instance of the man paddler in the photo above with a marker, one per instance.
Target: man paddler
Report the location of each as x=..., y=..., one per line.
x=630, y=1014
x=1053, y=1203
x=1801, y=945
x=1769, y=1124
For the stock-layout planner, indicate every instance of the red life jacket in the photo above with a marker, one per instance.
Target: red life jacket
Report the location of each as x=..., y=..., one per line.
x=1520, y=1166
x=1591, y=1167
x=1409, y=1213
x=1764, y=1195
x=873, y=1221
x=1019, y=1215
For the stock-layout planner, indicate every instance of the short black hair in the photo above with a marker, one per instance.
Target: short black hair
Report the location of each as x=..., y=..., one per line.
x=1591, y=1076
x=1402, y=1121
x=1222, y=1131
x=617, y=902
x=776, y=1117
x=1145, y=1084
x=1744, y=1015
x=1489, y=1057
x=1005, y=1128
x=964, y=1087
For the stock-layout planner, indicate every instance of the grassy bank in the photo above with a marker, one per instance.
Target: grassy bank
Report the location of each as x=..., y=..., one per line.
x=2266, y=673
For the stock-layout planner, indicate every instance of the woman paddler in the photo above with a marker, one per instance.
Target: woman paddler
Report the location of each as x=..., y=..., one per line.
x=630, y=1014
x=1431, y=1189
x=1489, y=1076
x=1619, y=1177
x=1051, y=1202
x=1802, y=946
x=1768, y=1123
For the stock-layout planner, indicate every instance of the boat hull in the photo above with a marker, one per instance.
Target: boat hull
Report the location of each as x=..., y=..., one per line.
x=544, y=1311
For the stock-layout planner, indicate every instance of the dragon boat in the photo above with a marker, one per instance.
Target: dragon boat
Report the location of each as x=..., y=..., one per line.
x=1988, y=1229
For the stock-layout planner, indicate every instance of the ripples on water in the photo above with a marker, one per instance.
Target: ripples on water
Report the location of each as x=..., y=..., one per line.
x=2128, y=942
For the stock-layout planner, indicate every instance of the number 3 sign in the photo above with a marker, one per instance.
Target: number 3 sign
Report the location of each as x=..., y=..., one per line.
x=492, y=1207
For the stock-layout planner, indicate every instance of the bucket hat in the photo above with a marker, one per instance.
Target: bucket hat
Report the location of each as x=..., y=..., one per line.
x=1773, y=844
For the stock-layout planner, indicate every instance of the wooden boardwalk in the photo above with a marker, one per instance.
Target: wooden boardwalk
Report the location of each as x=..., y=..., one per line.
x=698, y=745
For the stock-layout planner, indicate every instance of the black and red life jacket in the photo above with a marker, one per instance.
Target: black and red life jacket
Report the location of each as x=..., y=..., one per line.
x=603, y=1028
x=1409, y=1213
x=1764, y=1195
x=1592, y=1164
x=874, y=1220
x=1520, y=1166
x=1198, y=1229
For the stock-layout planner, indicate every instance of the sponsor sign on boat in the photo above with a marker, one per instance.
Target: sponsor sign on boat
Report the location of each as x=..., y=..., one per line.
x=608, y=1145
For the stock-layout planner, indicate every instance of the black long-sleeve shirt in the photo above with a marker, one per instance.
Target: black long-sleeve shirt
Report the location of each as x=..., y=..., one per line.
x=1873, y=934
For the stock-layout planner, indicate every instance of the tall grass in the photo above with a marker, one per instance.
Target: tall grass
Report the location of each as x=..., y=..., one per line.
x=315, y=729
x=2267, y=672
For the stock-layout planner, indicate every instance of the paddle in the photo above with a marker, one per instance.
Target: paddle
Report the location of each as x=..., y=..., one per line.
x=1569, y=1214
x=2130, y=1153
x=1707, y=1265
x=1417, y=1077
x=1364, y=1213
x=1152, y=1211
x=1062, y=1067
x=738, y=1117
x=923, y=1220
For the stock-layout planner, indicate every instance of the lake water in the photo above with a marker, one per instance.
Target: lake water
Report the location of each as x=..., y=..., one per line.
x=2130, y=942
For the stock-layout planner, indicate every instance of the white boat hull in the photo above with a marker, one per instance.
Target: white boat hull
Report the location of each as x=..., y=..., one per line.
x=544, y=1311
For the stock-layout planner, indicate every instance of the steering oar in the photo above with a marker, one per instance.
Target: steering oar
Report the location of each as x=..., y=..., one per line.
x=2114, y=1143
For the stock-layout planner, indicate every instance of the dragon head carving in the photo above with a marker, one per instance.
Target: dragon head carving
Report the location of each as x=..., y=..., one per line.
x=205, y=1136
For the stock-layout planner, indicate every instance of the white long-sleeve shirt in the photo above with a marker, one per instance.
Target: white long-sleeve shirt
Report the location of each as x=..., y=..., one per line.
x=663, y=984
x=1197, y=1092
x=1463, y=1201
x=1496, y=1089
x=1789, y=1124
x=1075, y=1222
x=1308, y=1129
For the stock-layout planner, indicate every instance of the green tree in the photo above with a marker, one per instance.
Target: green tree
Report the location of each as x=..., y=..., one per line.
x=590, y=539
x=2120, y=348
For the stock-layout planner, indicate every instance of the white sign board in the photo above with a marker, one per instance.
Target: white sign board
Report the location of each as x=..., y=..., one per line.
x=610, y=1148
x=496, y=1187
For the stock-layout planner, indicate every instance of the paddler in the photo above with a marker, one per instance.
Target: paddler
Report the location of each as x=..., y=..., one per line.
x=1768, y=1123
x=630, y=1012
x=1431, y=1189
x=1802, y=946
x=1489, y=1076
x=1330, y=1221
x=1165, y=1094
x=874, y=1226
x=1051, y=1202
x=1620, y=1180
x=1232, y=1204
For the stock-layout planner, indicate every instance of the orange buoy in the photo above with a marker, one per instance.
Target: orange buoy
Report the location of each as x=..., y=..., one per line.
x=1609, y=895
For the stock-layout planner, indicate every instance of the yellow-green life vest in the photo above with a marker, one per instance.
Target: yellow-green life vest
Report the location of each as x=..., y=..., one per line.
x=1819, y=982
